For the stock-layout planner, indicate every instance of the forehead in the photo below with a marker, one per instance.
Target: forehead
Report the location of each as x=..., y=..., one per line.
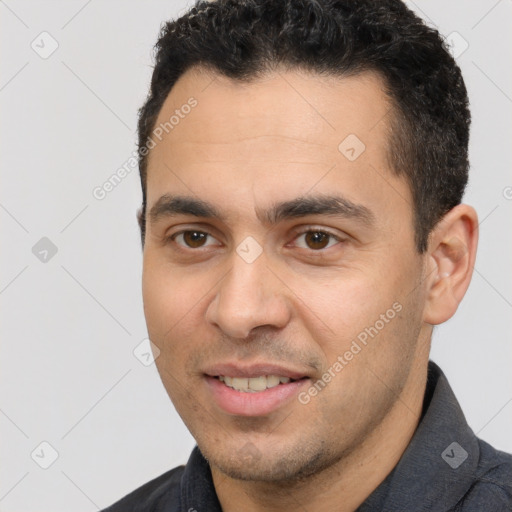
x=302, y=105
x=275, y=138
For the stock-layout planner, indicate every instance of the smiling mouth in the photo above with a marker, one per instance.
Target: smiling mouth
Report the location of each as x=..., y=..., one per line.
x=254, y=384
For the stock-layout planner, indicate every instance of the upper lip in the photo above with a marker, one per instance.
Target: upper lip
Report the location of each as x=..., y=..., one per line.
x=253, y=370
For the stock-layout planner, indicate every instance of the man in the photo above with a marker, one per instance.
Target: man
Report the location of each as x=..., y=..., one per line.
x=303, y=165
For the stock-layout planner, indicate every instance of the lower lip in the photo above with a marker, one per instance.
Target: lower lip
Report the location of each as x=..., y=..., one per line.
x=259, y=403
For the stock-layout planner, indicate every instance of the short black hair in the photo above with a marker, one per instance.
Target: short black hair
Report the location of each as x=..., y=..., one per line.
x=245, y=39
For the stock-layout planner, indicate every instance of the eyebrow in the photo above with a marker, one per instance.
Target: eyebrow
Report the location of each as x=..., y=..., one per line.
x=332, y=205
x=171, y=206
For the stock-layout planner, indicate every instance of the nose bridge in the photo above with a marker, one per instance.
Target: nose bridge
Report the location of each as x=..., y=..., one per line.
x=246, y=283
x=249, y=296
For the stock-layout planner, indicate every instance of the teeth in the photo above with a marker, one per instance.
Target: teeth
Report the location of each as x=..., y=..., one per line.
x=272, y=381
x=258, y=383
x=240, y=383
x=254, y=384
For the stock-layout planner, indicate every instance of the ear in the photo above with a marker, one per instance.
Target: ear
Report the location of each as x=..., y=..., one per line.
x=450, y=261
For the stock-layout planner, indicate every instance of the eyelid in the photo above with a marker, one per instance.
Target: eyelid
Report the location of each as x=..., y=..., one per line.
x=296, y=233
x=192, y=226
x=172, y=238
x=302, y=230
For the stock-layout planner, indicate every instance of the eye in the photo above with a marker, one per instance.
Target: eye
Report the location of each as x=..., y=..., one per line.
x=193, y=239
x=316, y=240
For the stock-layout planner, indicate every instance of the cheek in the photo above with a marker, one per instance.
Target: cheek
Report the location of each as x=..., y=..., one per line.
x=170, y=297
x=364, y=319
x=337, y=309
x=171, y=306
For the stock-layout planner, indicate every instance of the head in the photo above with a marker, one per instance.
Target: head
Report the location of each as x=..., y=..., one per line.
x=302, y=167
x=429, y=117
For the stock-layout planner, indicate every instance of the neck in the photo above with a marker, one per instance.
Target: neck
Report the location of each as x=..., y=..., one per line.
x=346, y=484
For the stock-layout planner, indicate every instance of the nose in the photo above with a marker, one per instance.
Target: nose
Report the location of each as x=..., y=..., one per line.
x=251, y=295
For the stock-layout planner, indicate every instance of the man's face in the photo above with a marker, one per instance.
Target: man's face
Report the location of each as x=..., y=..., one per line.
x=279, y=252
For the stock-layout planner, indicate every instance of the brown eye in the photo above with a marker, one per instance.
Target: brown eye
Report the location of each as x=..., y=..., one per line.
x=316, y=239
x=193, y=239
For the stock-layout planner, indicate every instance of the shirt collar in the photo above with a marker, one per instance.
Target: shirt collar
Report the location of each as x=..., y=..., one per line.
x=438, y=467
x=197, y=489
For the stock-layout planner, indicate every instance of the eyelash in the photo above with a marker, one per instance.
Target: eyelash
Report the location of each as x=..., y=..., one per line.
x=331, y=236
x=172, y=238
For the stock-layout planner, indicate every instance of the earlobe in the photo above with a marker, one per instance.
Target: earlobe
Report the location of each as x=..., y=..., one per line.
x=452, y=254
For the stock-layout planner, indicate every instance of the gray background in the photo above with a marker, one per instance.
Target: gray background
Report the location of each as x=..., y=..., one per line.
x=70, y=324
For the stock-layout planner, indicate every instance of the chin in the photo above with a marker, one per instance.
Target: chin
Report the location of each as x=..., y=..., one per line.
x=249, y=463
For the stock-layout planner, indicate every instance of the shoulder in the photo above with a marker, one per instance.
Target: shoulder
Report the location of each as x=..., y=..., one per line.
x=492, y=487
x=150, y=496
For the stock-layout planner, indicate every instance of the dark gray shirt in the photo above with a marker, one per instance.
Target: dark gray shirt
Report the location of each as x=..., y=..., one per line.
x=444, y=468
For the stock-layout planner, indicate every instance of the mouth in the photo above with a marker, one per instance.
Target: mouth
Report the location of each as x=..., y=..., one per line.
x=257, y=390
x=255, y=384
